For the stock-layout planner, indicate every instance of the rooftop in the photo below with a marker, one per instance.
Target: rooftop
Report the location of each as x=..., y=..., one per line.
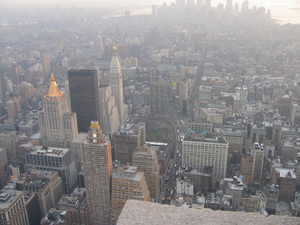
x=40, y=150
x=201, y=138
x=129, y=129
x=128, y=172
x=74, y=199
x=7, y=197
x=134, y=213
x=286, y=172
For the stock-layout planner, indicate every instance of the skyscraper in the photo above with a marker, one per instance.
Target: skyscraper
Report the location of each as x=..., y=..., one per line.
x=127, y=139
x=158, y=97
x=13, y=107
x=97, y=164
x=145, y=159
x=84, y=96
x=258, y=162
x=58, y=125
x=109, y=116
x=45, y=60
x=116, y=82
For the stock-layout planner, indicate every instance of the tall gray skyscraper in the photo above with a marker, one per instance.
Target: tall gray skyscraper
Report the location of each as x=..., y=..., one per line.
x=116, y=82
x=97, y=163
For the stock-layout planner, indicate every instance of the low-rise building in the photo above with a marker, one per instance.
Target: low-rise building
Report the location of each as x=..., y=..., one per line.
x=76, y=206
x=29, y=128
x=272, y=194
x=13, y=208
x=212, y=201
x=202, y=181
x=184, y=186
x=127, y=183
x=46, y=185
x=54, y=159
x=253, y=201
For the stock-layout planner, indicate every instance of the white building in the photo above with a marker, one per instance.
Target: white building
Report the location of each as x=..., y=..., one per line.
x=243, y=92
x=109, y=116
x=58, y=124
x=199, y=152
x=184, y=186
x=116, y=82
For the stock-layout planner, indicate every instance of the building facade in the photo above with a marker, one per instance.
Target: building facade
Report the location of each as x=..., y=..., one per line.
x=97, y=163
x=54, y=159
x=258, y=162
x=109, y=115
x=127, y=139
x=199, y=151
x=84, y=96
x=47, y=187
x=158, y=97
x=145, y=159
x=127, y=183
x=13, y=208
x=58, y=125
x=116, y=82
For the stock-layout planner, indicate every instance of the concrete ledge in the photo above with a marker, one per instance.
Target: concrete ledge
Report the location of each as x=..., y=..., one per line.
x=143, y=213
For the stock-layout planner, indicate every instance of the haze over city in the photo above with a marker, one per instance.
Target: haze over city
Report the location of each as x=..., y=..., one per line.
x=283, y=11
x=113, y=111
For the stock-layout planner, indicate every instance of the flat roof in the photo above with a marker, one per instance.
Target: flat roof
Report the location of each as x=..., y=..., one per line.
x=285, y=171
x=8, y=197
x=49, y=151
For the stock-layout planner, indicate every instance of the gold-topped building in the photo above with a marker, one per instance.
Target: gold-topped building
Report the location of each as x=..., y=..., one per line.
x=58, y=125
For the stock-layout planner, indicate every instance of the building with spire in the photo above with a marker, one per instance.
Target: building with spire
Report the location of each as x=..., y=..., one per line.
x=58, y=125
x=97, y=163
x=116, y=82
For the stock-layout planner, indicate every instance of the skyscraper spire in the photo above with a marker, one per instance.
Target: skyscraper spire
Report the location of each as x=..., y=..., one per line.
x=116, y=82
x=115, y=66
x=54, y=90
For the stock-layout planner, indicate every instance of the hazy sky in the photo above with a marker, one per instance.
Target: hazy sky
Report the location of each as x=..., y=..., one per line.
x=285, y=10
x=123, y=2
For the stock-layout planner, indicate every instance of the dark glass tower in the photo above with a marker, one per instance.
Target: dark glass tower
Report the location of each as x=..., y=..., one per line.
x=84, y=96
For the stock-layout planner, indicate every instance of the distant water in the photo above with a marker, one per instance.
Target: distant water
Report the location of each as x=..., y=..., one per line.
x=283, y=11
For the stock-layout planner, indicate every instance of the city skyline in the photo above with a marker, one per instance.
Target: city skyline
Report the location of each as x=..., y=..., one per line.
x=282, y=11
